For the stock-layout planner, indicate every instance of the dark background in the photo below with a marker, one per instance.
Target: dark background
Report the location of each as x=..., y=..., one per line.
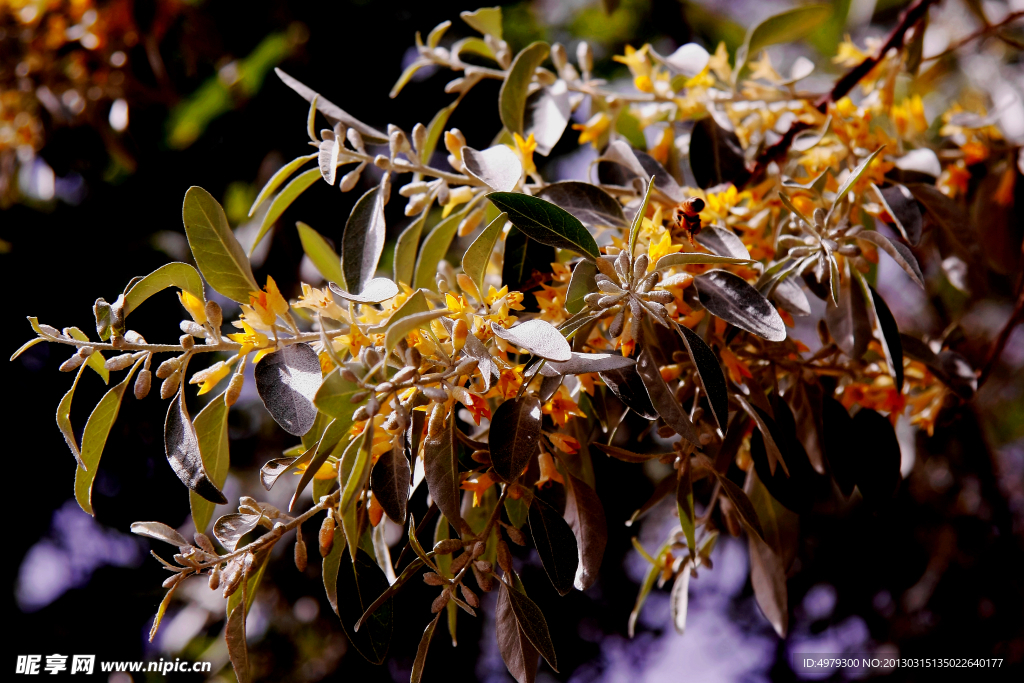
x=947, y=555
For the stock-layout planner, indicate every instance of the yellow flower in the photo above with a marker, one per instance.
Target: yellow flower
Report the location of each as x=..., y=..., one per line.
x=268, y=303
x=719, y=63
x=478, y=486
x=249, y=339
x=736, y=368
x=661, y=248
x=524, y=149
x=459, y=307
x=663, y=146
x=322, y=301
x=194, y=306
x=564, y=442
x=548, y=471
x=210, y=376
x=643, y=83
x=329, y=470
x=593, y=129
x=561, y=407
x=763, y=69
x=636, y=60
x=508, y=382
x=908, y=116
x=459, y=195
x=848, y=54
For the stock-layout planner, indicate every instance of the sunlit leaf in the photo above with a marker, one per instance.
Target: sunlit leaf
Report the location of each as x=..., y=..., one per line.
x=629, y=388
x=435, y=246
x=710, y=373
x=784, y=27
x=320, y=253
x=211, y=425
x=287, y=381
x=852, y=179
x=363, y=241
x=441, y=470
x=279, y=177
x=182, y=449
x=586, y=518
x=220, y=257
x=663, y=399
x=512, y=97
x=283, y=200
x=333, y=112
x=733, y=300
x=539, y=337
x=516, y=426
x=497, y=166
x=64, y=418
x=180, y=275
x=376, y=291
x=160, y=532
x=476, y=258
x=899, y=253
x=547, y=223
x=486, y=20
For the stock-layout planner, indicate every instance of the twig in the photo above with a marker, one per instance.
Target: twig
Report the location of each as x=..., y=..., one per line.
x=984, y=30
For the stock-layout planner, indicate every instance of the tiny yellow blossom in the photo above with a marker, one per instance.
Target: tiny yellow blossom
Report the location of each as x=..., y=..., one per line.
x=211, y=376
x=524, y=149
x=594, y=128
x=459, y=195
x=195, y=307
x=249, y=339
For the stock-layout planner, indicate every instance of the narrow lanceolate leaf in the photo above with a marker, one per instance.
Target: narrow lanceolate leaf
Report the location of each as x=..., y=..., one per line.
x=716, y=155
x=161, y=611
x=220, y=257
x=764, y=422
x=548, y=224
x=399, y=329
x=512, y=97
x=556, y=545
x=638, y=217
x=441, y=470
x=320, y=253
x=64, y=419
x=158, y=531
x=278, y=178
x=768, y=578
x=420, y=663
x=784, y=27
x=363, y=241
x=331, y=567
x=211, y=426
x=435, y=246
x=735, y=301
x=389, y=481
x=586, y=518
x=833, y=278
x=848, y=322
x=498, y=167
x=739, y=499
x=287, y=382
x=515, y=427
x=722, y=242
x=94, y=438
x=586, y=362
x=855, y=175
x=411, y=570
x=539, y=337
x=283, y=200
x=645, y=588
x=376, y=291
x=182, y=448
x=901, y=205
x=582, y=283
x=337, y=429
x=523, y=259
x=534, y=625
x=476, y=258
x=406, y=247
x=899, y=253
x=327, y=159
x=359, y=584
x=518, y=653
x=624, y=455
x=331, y=111
x=590, y=204
x=684, y=504
x=238, y=606
x=697, y=258
x=710, y=372
x=180, y=275
x=663, y=398
x=629, y=388
x=680, y=597
x=415, y=304
x=354, y=480
x=891, y=343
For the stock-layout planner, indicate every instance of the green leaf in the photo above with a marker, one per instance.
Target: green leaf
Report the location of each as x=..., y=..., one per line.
x=486, y=20
x=434, y=131
x=334, y=396
x=211, y=426
x=406, y=247
x=581, y=284
x=406, y=76
x=684, y=504
x=283, y=200
x=534, y=625
x=512, y=97
x=547, y=223
x=25, y=347
x=64, y=417
x=401, y=328
x=218, y=254
x=94, y=438
x=435, y=246
x=854, y=177
x=518, y=510
x=645, y=588
x=320, y=253
x=181, y=446
x=522, y=257
x=280, y=176
x=784, y=27
x=363, y=241
x=519, y=424
x=476, y=258
x=180, y=275
x=638, y=218
x=331, y=565
x=360, y=472
x=693, y=258
x=96, y=360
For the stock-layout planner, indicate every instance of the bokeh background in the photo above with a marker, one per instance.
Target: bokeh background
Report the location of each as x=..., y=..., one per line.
x=109, y=111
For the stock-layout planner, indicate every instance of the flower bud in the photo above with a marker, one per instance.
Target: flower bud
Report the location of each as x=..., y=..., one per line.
x=170, y=385
x=559, y=57
x=356, y=140
x=234, y=389
x=385, y=189
x=168, y=367
x=192, y=328
x=214, y=314
x=85, y=351
x=300, y=553
x=115, y=363
x=435, y=394
x=419, y=137
x=403, y=375
x=436, y=423
x=204, y=542
x=447, y=546
x=349, y=180
x=215, y=578
x=326, y=536
x=186, y=341
x=72, y=363
x=615, y=329
x=133, y=337
x=382, y=161
x=143, y=383
x=585, y=58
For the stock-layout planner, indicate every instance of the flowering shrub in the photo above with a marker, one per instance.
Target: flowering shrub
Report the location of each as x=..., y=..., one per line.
x=656, y=296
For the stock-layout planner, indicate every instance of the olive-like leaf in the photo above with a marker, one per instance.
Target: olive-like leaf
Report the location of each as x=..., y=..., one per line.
x=716, y=155
x=355, y=469
x=848, y=322
x=211, y=425
x=476, y=258
x=377, y=290
x=539, y=337
x=515, y=436
x=680, y=597
x=586, y=518
x=547, y=223
x=334, y=395
x=94, y=438
x=520, y=656
x=486, y=20
x=877, y=463
x=234, y=637
x=419, y=664
x=697, y=258
x=684, y=505
x=230, y=528
x=406, y=247
x=320, y=253
x=359, y=583
x=688, y=60
x=327, y=158
x=899, y=253
x=891, y=343
x=331, y=111
x=586, y=362
x=784, y=27
x=624, y=455
x=498, y=167
x=363, y=241
x=64, y=417
x=180, y=275
x=946, y=212
x=739, y=499
x=768, y=578
x=534, y=625
x=279, y=177
x=663, y=399
x=220, y=257
x=389, y=481
x=798, y=486
x=556, y=544
x=160, y=532
x=645, y=588
x=852, y=179
x=283, y=200
x=764, y=424
x=181, y=446
x=629, y=388
x=398, y=330
x=411, y=570
x=722, y=242
x=523, y=258
x=590, y=204
x=287, y=381
x=547, y=115
x=582, y=283
x=790, y=297
x=732, y=299
x=710, y=373
x=441, y=470
x=902, y=207
x=512, y=96
x=435, y=246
